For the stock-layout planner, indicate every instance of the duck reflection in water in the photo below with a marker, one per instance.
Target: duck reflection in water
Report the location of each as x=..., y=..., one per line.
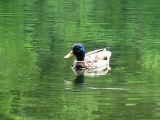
x=80, y=79
x=82, y=73
x=93, y=63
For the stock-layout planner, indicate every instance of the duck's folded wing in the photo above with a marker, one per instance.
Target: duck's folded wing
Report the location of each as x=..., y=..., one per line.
x=97, y=55
x=95, y=51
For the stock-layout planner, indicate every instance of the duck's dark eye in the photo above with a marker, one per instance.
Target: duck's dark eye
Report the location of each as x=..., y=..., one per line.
x=76, y=51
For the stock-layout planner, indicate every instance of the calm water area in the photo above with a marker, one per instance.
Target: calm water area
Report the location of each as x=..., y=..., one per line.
x=37, y=83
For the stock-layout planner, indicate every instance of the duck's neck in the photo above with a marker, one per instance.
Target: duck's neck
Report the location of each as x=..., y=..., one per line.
x=80, y=57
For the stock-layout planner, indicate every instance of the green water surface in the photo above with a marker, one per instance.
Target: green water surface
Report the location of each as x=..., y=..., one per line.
x=36, y=83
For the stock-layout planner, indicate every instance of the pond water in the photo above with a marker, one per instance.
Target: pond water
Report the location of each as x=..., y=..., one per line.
x=38, y=84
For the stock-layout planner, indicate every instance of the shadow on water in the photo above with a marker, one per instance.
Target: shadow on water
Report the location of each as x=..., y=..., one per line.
x=79, y=80
x=78, y=84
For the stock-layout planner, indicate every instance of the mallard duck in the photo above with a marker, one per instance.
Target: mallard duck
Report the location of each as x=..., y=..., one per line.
x=94, y=59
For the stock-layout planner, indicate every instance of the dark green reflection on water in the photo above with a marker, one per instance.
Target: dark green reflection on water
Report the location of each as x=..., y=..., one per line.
x=37, y=83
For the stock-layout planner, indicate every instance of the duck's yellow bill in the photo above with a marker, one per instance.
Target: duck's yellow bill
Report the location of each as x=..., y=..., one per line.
x=70, y=54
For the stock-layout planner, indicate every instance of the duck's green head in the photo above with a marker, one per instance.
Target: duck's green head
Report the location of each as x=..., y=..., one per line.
x=77, y=50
